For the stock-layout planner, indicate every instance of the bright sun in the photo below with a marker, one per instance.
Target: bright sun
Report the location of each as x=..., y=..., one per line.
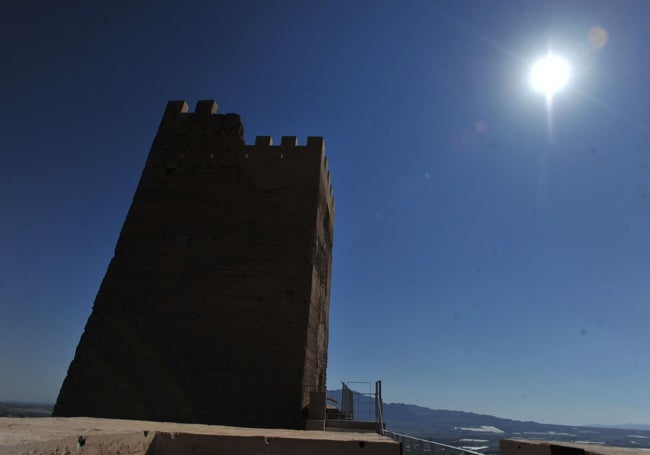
x=549, y=75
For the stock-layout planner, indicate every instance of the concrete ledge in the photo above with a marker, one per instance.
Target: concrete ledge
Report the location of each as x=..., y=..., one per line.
x=352, y=425
x=84, y=435
x=315, y=425
x=527, y=447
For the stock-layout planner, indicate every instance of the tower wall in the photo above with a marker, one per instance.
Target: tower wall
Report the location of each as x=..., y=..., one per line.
x=214, y=308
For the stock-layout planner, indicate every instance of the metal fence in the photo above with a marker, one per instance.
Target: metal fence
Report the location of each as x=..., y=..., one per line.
x=417, y=446
x=347, y=402
x=359, y=405
x=353, y=407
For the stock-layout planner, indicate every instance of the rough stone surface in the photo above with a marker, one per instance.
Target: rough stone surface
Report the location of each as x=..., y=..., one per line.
x=215, y=306
x=107, y=436
x=539, y=447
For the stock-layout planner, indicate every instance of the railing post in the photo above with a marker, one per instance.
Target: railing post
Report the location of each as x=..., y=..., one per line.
x=348, y=402
x=379, y=407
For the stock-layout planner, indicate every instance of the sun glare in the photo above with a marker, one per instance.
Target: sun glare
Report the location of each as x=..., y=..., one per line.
x=549, y=75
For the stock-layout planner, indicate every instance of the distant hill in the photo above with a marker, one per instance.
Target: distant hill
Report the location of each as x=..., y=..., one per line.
x=471, y=430
x=625, y=426
x=421, y=419
x=8, y=409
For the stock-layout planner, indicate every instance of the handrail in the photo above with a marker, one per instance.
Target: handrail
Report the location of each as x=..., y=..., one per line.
x=398, y=436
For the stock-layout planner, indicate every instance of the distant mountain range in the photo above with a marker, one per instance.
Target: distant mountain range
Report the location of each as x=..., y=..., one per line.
x=10, y=409
x=480, y=431
x=625, y=426
x=409, y=416
x=420, y=419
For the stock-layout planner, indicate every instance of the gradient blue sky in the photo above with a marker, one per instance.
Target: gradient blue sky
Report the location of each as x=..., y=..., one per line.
x=485, y=259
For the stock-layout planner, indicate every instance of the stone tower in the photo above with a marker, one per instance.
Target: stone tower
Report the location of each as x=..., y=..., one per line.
x=214, y=308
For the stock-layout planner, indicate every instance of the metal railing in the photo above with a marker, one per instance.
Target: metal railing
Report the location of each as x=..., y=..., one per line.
x=347, y=402
x=379, y=406
x=410, y=444
x=416, y=446
x=360, y=406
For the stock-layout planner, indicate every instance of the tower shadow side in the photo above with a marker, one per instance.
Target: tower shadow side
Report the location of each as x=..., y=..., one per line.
x=214, y=308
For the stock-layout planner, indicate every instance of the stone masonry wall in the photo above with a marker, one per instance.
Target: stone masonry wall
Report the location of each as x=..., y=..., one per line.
x=215, y=307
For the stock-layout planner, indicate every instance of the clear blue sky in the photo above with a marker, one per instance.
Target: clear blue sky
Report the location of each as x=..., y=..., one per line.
x=486, y=259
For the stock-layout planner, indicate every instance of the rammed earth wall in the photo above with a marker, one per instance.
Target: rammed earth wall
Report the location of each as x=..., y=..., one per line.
x=214, y=308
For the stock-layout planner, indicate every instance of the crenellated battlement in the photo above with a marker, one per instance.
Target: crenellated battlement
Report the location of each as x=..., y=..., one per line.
x=203, y=107
x=315, y=143
x=203, y=122
x=289, y=151
x=206, y=139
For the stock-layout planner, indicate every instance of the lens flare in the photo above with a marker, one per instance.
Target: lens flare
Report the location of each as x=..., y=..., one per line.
x=598, y=37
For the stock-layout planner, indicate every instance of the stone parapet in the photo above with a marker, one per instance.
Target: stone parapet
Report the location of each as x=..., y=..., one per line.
x=92, y=436
x=538, y=447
